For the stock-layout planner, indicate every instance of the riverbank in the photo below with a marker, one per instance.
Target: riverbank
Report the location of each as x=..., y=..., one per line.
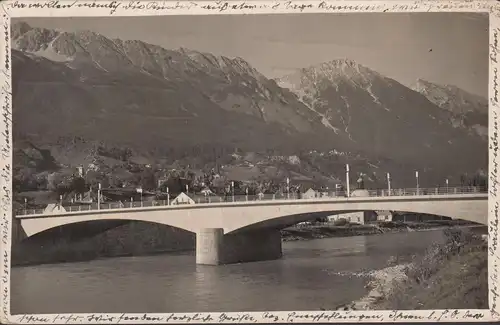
x=328, y=230
x=453, y=275
x=134, y=238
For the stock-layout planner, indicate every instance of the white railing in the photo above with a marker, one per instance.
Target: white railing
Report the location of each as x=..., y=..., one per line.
x=269, y=197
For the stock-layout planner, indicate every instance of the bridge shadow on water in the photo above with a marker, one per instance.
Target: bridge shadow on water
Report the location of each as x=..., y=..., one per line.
x=100, y=239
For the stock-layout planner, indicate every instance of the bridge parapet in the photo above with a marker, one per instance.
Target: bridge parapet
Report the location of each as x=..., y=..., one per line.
x=291, y=198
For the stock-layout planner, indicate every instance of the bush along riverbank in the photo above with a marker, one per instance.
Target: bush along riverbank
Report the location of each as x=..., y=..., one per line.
x=453, y=275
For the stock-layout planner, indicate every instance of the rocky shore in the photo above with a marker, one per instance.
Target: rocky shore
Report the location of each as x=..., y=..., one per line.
x=453, y=275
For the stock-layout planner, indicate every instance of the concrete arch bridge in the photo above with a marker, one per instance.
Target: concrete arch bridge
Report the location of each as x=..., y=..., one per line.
x=233, y=232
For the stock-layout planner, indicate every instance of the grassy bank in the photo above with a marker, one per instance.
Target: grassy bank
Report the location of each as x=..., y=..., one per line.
x=453, y=275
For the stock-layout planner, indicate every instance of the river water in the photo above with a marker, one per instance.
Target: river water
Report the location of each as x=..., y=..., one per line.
x=304, y=279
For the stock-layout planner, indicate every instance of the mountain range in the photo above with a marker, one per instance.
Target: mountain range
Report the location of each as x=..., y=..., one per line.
x=130, y=94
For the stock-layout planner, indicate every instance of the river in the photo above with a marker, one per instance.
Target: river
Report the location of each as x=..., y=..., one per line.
x=303, y=279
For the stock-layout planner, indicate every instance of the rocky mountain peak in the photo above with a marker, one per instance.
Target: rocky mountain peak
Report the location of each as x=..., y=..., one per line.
x=450, y=97
x=331, y=72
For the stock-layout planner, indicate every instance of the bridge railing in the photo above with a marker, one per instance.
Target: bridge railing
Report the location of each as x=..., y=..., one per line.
x=264, y=197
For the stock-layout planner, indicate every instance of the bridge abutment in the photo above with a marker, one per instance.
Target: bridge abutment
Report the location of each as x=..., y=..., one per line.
x=18, y=233
x=215, y=248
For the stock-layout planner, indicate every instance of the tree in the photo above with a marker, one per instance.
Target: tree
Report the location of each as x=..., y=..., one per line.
x=78, y=185
x=53, y=180
x=361, y=181
x=147, y=179
x=463, y=179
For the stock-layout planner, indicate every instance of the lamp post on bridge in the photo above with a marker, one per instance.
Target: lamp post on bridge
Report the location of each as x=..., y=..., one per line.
x=168, y=197
x=232, y=189
x=139, y=190
x=447, y=187
x=25, y=205
x=418, y=185
x=99, y=188
x=347, y=179
x=246, y=194
x=389, y=183
x=288, y=188
x=187, y=189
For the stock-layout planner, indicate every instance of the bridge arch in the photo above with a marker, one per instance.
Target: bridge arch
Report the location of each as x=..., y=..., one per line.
x=93, y=227
x=285, y=221
x=472, y=209
x=99, y=238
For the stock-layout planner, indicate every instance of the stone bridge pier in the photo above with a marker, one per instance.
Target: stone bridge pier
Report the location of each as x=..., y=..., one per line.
x=213, y=247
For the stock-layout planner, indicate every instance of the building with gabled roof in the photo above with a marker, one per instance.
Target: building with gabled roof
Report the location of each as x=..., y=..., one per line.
x=182, y=198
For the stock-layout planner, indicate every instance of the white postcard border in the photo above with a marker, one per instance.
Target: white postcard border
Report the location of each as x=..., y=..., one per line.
x=61, y=8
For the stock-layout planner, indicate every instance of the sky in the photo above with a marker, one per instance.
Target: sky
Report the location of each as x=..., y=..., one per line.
x=446, y=48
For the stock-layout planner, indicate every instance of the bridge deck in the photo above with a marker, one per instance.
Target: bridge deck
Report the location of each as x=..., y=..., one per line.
x=322, y=200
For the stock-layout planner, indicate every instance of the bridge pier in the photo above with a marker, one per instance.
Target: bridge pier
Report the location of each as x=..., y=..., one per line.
x=209, y=246
x=215, y=248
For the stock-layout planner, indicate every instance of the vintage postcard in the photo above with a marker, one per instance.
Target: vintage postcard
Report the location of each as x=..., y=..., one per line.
x=249, y=161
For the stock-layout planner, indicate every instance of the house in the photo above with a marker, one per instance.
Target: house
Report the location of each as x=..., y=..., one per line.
x=182, y=198
x=361, y=217
x=323, y=194
x=360, y=193
x=309, y=194
x=80, y=171
x=384, y=215
x=417, y=217
x=54, y=208
x=354, y=217
x=86, y=198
